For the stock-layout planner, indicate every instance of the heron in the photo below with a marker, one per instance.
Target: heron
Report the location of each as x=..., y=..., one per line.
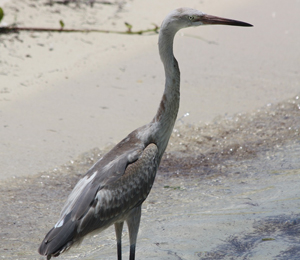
x=114, y=188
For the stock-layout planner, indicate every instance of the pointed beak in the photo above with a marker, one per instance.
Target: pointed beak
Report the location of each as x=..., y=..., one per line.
x=210, y=19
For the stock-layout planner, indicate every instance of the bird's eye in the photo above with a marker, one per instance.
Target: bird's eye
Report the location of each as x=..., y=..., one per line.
x=191, y=18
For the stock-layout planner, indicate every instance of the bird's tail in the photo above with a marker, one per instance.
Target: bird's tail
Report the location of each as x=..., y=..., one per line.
x=58, y=239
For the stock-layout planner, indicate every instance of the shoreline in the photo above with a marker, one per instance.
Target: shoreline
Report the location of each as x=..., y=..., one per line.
x=76, y=92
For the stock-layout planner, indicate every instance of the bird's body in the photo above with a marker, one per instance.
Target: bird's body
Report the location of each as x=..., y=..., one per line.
x=113, y=190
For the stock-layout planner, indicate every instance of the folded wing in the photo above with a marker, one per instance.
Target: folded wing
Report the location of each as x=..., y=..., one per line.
x=111, y=188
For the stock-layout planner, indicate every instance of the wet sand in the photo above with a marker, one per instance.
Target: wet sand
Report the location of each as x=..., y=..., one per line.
x=63, y=94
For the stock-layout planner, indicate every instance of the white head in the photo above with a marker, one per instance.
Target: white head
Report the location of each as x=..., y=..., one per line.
x=188, y=17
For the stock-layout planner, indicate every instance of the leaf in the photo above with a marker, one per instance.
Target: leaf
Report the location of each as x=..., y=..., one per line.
x=267, y=239
x=62, y=25
x=172, y=187
x=129, y=26
x=1, y=14
x=156, y=28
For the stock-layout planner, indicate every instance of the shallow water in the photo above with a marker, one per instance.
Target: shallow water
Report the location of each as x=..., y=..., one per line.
x=225, y=190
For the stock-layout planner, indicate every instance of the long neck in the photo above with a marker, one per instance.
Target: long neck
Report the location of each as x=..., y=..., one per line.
x=165, y=117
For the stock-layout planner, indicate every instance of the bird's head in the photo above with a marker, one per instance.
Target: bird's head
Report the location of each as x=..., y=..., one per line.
x=188, y=17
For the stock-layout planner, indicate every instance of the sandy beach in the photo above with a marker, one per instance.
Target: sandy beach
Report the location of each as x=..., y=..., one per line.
x=228, y=185
x=62, y=94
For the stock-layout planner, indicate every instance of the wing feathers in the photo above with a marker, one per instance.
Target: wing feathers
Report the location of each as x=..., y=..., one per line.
x=58, y=239
x=131, y=189
x=106, y=173
x=115, y=200
x=97, y=202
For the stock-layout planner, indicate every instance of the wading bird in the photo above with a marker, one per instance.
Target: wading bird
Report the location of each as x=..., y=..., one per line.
x=113, y=190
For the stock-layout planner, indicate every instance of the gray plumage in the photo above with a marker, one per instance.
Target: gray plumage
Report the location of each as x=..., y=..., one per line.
x=113, y=190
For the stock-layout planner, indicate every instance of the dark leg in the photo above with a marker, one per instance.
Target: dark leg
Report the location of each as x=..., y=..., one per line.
x=118, y=229
x=133, y=222
x=132, y=252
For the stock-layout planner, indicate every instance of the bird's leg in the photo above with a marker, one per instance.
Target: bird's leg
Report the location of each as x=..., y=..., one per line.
x=118, y=229
x=133, y=222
